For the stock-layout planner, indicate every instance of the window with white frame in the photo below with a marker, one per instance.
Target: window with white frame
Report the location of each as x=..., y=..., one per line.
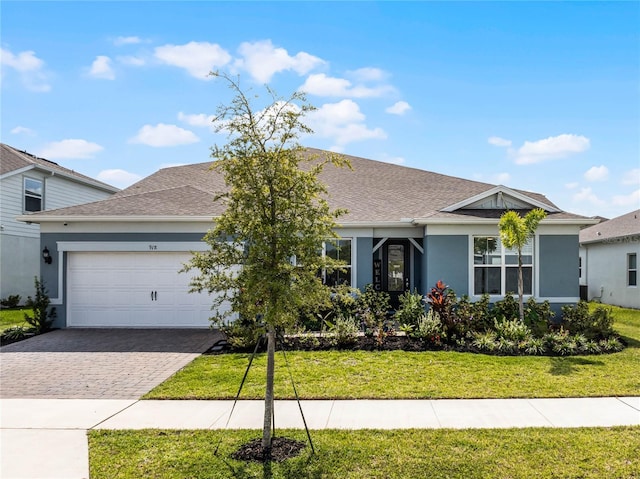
x=632, y=269
x=495, y=268
x=338, y=250
x=33, y=194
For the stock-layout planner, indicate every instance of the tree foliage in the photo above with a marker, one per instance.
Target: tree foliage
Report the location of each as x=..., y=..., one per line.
x=515, y=232
x=265, y=248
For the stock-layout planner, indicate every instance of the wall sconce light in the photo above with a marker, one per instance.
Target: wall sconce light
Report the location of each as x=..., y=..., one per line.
x=46, y=256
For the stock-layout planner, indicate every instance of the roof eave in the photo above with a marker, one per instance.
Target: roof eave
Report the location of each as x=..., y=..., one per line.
x=113, y=219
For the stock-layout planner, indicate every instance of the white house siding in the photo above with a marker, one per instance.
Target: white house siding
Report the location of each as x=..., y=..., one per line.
x=20, y=249
x=606, y=273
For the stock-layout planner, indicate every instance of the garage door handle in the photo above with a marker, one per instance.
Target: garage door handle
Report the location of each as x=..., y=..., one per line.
x=154, y=296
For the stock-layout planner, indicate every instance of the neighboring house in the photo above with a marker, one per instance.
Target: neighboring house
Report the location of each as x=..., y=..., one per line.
x=116, y=261
x=32, y=184
x=609, y=254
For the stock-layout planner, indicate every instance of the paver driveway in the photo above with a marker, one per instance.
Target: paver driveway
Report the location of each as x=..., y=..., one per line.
x=98, y=363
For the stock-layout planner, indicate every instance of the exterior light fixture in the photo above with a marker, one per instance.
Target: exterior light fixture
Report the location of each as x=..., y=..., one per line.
x=46, y=256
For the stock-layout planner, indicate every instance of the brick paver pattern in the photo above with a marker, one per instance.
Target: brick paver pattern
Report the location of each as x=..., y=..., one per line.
x=98, y=363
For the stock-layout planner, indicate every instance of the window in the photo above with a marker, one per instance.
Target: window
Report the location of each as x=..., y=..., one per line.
x=632, y=269
x=338, y=250
x=495, y=268
x=32, y=194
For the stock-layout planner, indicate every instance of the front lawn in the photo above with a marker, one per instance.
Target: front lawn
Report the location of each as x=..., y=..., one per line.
x=490, y=453
x=421, y=375
x=13, y=317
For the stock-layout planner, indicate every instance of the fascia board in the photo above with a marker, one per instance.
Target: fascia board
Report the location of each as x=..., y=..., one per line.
x=17, y=172
x=504, y=190
x=453, y=221
x=75, y=179
x=113, y=219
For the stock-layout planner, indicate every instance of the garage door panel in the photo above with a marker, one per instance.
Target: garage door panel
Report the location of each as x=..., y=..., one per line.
x=114, y=289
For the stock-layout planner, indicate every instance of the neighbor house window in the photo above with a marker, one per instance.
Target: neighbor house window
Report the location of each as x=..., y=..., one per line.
x=338, y=250
x=32, y=194
x=495, y=268
x=632, y=269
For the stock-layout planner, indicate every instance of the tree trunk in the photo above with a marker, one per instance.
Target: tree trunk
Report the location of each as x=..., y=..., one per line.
x=520, y=287
x=268, y=398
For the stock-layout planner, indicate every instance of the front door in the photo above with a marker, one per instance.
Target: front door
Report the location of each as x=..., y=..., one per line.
x=395, y=269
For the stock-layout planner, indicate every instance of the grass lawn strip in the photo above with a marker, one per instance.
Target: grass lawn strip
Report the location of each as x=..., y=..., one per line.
x=422, y=375
x=13, y=317
x=503, y=453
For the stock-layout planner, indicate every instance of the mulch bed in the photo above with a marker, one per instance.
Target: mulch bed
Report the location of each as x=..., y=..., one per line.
x=282, y=448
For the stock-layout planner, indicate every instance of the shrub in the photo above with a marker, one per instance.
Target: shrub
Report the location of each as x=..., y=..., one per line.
x=505, y=308
x=372, y=310
x=538, y=317
x=343, y=331
x=243, y=333
x=411, y=309
x=597, y=325
x=513, y=330
x=430, y=328
x=43, y=317
x=535, y=346
x=11, y=302
x=16, y=333
x=484, y=341
x=611, y=345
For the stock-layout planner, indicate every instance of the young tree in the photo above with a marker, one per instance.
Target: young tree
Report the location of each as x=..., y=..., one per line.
x=265, y=249
x=515, y=232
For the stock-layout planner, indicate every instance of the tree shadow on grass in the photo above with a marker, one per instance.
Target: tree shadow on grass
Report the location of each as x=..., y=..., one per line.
x=567, y=366
x=309, y=467
x=630, y=342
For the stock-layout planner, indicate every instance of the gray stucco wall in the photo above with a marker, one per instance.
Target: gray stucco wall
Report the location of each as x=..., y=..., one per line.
x=446, y=258
x=559, y=266
x=20, y=259
x=364, y=262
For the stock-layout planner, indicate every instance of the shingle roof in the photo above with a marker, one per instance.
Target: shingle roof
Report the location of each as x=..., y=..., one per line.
x=12, y=159
x=373, y=192
x=625, y=225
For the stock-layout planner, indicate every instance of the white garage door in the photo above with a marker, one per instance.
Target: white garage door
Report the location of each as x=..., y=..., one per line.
x=114, y=289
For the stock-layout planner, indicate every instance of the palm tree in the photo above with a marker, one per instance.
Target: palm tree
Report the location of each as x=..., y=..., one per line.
x=515, y=232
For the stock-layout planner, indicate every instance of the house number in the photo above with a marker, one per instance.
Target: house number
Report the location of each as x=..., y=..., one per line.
x=153, y=247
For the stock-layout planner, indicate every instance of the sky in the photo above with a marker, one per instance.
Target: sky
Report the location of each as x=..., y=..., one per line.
x=536, y=96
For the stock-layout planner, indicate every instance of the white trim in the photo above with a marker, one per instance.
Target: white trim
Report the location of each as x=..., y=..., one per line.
x=379, y=244
x=46, y=218
x=500, y=189
x=17, y=172
x=416, y=245
x=133, y=246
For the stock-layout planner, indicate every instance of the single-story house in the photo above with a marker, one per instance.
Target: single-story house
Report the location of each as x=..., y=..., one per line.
x=116, y=261
x=29, y=183
x=609, y=254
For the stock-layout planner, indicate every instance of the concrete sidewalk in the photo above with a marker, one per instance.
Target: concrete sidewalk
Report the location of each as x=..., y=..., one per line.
x=54, y=430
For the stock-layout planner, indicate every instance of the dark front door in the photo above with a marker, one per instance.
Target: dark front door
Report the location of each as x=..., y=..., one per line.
x=395, y=269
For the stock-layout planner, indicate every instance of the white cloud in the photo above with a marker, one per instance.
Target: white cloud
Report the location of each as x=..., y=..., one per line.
x=572, y=186
x=367, y=74
x=200, y=119
x=29, y=67
x=321, y=85
x=552, y=148
x=497, y=141
x=119, y=41
x=198, y=58
x=101, y=68
x=632, y=199
x=597, y=173
x=586, y=195
x=118, y=178
x=131, y=60
x=262, y=60
x=162, y=135
x=632, y=177
x=343, y=122
x=399, y=108
x=70, y=149
x=22, y=130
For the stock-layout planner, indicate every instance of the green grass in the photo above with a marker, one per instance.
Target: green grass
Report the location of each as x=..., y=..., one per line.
x=13, y=317
x=423, y=375
x=499, y=453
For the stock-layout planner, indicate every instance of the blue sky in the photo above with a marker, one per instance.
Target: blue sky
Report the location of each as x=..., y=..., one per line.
x=541, y=96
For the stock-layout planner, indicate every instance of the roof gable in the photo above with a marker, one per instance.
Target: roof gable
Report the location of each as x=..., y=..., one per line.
x=14, y=161
x=500, y=198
